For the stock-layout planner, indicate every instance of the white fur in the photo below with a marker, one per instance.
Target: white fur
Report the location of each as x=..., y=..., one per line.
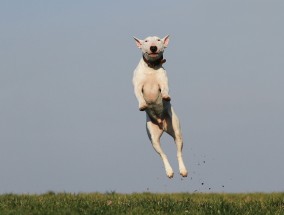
x=152, y=92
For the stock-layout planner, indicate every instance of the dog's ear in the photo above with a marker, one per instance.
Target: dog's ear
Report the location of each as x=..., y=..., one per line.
x=166, y=41
x=138, y=42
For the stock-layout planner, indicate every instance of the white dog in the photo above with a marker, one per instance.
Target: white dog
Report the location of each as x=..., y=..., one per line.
x=152, y=92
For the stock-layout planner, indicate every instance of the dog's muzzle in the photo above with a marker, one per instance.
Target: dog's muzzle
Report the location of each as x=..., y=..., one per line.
x=155, y=62
x=153, y=49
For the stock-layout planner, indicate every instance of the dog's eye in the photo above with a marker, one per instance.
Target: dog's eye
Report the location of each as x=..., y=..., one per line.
x=146, y=41
x=159, y=40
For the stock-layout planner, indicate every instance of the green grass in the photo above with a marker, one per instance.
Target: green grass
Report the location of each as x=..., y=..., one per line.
x=143, y=203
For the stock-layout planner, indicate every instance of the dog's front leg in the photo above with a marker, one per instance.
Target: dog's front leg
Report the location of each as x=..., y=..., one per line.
x=165, y=89
x=138, y=90
x=164, y=86
x=165, y=93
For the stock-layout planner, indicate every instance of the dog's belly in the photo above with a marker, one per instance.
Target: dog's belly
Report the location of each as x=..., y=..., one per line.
x=156, y=110
x=156, y=105
x=151, y=93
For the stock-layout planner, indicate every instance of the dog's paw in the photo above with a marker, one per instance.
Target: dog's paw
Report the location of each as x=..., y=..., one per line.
x=142, y=106
x=183, y=172
x=170, y=173
x=166, y=97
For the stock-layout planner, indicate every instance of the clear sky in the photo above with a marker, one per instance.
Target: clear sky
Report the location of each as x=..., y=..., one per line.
x=69, y=120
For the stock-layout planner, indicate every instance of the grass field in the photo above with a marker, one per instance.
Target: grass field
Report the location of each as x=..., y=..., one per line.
x=143, y=203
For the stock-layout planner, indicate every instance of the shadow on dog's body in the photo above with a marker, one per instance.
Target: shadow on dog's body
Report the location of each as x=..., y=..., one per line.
x=151, y=90
x=158, y=111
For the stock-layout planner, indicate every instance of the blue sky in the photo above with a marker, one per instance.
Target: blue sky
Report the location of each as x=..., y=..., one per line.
x=69, y=120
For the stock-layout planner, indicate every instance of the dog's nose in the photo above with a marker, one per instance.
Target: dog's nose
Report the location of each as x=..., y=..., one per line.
x=153, y=48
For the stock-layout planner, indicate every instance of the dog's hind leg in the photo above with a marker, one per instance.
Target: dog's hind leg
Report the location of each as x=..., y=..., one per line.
x=173, y=129
x=155, y=132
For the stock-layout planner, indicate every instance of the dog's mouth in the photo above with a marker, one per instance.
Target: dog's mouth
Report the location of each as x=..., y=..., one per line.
x=153, y=54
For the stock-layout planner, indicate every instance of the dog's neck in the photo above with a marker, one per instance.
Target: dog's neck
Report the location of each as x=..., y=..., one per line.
x=155, y=63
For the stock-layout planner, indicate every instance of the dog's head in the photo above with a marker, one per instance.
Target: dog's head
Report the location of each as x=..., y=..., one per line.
x=152, y=47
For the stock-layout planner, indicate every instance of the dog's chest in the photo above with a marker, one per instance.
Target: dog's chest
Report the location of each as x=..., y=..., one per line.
x=151, y=86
